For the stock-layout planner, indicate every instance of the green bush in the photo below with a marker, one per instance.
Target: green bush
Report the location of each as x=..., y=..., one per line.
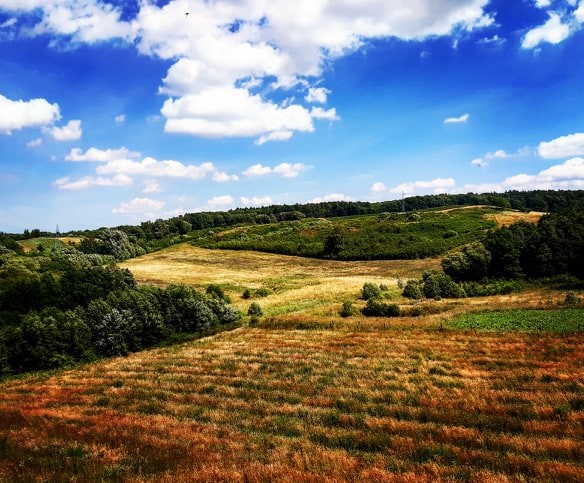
x=254, y=310
x=216, y=291
x=376, y=308
x=347, y=310
x=412, y=290
x=370, y=291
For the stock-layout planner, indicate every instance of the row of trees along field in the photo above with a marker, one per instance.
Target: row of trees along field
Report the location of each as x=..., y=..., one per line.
x=152, y=235
x=69, y=307
x=552, y=247
x=127, y=241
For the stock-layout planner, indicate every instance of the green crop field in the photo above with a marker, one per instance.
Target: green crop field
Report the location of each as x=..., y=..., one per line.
x=564, y=320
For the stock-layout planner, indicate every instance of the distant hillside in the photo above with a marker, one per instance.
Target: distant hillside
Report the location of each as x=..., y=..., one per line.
x=389, y=236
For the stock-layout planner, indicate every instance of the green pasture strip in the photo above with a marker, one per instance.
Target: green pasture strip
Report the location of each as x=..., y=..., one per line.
x=557, y=320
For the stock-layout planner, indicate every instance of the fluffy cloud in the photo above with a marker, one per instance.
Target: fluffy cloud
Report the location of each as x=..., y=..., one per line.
x=563, y=147
x=568, y=175
x=100, y=155
x=70, y=132
x=287, y=170
x=120, y=118
x=34, y=143
x=151, y=167
x=151, y=186
x=317, y=94
x=378, y=187
x=552, y=32
x=457, y=120
x=15, y=115
x=438, y=185
x=220, y=201
x=480, y=162
x=117, y=169
x=221, y=177
x=230, y=112
x=145, y=207
x=228, y=58
x=331, y=197
x=256, y=201
x=90, y=181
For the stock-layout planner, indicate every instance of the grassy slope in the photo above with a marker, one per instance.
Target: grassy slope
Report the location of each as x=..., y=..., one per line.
x=285, y=405
x=366, y=237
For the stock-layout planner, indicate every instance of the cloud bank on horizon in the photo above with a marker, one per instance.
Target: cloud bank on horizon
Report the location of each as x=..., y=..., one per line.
x=253, y=102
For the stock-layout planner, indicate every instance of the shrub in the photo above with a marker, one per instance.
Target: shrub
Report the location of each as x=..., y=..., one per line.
x=262, y=292
x=376, y=308
x=571, y=298
x=347, y=309
x=412, y=290
x=254, y=309
x=370, y=291
x=246, y=294
x=216, y=291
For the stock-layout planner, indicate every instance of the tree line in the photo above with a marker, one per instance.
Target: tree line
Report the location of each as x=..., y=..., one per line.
x=70, y=307
x=507, y=256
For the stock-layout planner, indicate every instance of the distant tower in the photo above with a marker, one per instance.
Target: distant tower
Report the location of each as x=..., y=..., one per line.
x=57, y=241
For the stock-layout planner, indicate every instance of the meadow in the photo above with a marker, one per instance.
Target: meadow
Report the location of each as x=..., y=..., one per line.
x=258, y=404
x=306, y=395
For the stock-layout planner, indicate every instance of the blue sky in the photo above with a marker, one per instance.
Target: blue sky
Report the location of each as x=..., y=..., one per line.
x=115, y=112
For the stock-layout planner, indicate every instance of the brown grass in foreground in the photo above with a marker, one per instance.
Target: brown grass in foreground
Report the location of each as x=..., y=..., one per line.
x=285, y=405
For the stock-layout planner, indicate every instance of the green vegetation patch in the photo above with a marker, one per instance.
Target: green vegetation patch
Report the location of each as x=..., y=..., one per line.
x=562, y=320
x=368, y=237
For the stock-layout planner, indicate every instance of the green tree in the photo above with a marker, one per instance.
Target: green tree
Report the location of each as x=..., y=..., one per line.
x=334, y=243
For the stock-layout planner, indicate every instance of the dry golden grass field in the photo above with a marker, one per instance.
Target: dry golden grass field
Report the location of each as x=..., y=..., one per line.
x=306, y=396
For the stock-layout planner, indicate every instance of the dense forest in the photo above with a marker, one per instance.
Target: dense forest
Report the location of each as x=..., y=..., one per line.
x=68, y=307
x=522, y=251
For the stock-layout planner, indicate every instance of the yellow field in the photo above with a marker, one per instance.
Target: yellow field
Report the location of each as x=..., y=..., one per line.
x=296, y=284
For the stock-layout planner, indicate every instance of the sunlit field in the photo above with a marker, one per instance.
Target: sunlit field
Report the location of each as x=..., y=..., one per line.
x=293, y=284
x=306, y=395
x=284, y=405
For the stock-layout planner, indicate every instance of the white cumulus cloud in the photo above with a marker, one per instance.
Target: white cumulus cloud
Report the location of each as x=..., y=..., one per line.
x=15, y=115
x=287, y=170
x=220, y=201
x=331, y=197
x=70, y=132
x=229, y=58
x=153, y=168
x=100, y=155
x=145, y=207
x=563, y=147
x=378, y=187
x=34, y=143
x=317, y=95
x=90, y=181
x=256, y=201
x=437, y=185
x=151, y=186
x=552, y=32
